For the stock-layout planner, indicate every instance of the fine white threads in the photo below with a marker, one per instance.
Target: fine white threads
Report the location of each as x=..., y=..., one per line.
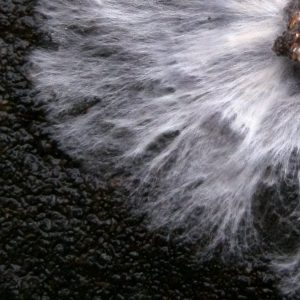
x=185, y=95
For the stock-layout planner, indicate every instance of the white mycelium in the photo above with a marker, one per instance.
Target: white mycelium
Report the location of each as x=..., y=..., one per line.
x=185, y=95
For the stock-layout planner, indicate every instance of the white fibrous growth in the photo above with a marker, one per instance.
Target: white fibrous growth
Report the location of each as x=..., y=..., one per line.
x=187, y=97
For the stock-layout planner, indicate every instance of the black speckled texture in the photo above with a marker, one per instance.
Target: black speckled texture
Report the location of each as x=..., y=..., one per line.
x=65, y=236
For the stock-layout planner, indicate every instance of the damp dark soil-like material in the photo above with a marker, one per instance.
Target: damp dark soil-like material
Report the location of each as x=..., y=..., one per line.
x=63, y=235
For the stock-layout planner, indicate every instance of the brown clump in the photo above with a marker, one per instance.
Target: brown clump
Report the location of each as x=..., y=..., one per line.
x=288, y=44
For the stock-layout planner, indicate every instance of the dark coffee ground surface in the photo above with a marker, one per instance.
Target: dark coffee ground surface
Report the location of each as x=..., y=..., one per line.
x=63, y=234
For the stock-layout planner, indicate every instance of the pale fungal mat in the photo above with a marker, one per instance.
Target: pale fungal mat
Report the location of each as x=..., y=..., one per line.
x=189, y=98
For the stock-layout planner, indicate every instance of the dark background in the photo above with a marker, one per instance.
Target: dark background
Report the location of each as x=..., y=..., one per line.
x=63, y=235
